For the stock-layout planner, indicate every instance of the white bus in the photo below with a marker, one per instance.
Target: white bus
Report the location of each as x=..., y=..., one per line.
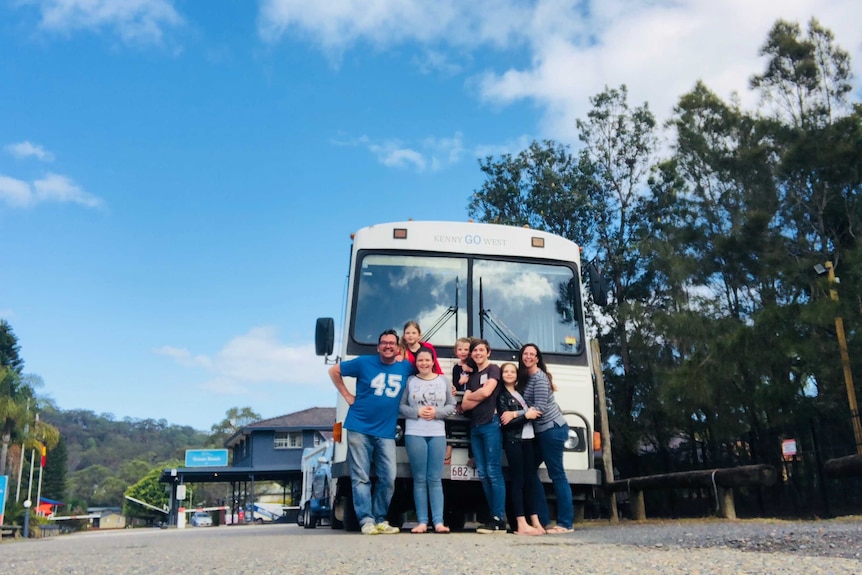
x=505, y=284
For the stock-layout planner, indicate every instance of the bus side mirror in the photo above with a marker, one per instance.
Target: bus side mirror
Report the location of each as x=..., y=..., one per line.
x=599, y=287
x=324, y=336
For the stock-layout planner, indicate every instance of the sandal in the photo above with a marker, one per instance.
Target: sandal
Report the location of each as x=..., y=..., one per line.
x=421, y=528
x=440, y=528
x=559, y=529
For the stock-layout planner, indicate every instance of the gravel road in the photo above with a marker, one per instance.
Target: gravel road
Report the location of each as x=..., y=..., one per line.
x=661, y=547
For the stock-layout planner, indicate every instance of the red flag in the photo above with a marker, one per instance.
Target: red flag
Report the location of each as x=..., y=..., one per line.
x=44, y=453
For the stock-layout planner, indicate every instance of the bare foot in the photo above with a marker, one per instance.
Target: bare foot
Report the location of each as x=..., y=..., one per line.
x=421, y=528
x=440, y=528
x=529, y=531
x=539, y=529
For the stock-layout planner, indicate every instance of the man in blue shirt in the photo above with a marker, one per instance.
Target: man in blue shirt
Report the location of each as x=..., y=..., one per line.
x=370, y=422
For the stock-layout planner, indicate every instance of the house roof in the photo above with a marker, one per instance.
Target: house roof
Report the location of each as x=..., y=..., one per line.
x=314, y=418
x=319, y=419
x=311, y=418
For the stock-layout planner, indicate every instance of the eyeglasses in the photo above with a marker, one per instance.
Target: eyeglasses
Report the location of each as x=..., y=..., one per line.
x=388, y=343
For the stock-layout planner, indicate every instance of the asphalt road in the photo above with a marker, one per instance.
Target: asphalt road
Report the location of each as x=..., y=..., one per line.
x=666, y=547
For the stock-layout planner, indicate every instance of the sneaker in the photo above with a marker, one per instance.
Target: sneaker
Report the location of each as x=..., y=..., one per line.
x=383, y=528
x=496, y=525
x=369, y=529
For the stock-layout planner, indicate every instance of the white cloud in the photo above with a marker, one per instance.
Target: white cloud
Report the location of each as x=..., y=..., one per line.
x=141, y=21
x=15, y=193
x=574, y=49
x=394, y=155
x=431, y=153
x=445, y=151
x=57, y=188
x=254, y=358
x=27, y=149
x=513, y=146
x=338, y=25
x=52, y=188
x=436, y=61
x=184, y=357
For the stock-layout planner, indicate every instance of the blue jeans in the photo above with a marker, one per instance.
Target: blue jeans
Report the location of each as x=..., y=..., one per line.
x=487, y=443
x=365, y=450
x=549, y=446
x=426, y=456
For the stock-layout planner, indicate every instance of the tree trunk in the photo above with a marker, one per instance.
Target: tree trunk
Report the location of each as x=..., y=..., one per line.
x=4, y=451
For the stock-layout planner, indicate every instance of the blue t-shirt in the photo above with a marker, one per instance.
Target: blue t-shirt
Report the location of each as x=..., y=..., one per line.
x=378, y=394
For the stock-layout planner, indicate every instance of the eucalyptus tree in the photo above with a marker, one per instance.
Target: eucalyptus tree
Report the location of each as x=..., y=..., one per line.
x=596, y=197
x=718, y=255
x=235, y=419
x=619, y=146
x=748, y=203
x=817, y=137
x=544, y=187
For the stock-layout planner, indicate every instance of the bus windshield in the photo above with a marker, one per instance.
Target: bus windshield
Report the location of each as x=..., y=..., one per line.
x=509, y=303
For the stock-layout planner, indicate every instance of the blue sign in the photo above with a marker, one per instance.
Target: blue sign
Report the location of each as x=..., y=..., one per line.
x=3, y=482
x=206, y=457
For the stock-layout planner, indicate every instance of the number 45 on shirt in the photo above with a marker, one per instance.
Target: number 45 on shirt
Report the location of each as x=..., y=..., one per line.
x=388, y=383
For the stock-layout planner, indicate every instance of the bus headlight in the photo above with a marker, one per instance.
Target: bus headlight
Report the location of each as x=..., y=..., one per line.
x=575, y=440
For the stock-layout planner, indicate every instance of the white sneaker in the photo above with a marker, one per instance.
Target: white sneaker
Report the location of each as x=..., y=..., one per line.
x=385, y=529
x=369, y=529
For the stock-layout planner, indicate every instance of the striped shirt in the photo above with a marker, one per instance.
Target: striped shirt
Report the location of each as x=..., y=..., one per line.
x=539, y=394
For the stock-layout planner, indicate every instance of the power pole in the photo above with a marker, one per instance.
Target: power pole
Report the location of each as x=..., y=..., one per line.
x=845, y=361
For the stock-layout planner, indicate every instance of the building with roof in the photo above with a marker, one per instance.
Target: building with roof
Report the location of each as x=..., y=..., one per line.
x=266, y=450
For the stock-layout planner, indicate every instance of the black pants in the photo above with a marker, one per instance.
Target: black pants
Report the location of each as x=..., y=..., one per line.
x=522, y=474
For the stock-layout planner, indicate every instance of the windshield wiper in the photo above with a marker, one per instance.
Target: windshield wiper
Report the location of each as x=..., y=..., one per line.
x=496, y=324
x=452, y=310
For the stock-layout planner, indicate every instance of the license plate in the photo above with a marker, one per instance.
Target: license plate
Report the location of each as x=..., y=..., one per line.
x=463, y=473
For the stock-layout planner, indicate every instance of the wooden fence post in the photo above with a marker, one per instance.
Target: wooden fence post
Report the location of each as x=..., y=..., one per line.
x=637, y=504
x=726, y=507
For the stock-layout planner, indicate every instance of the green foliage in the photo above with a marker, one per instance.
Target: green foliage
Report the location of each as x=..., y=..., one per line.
x=19, y=404
x=235, y=419
x=718, y=327
x=54, y=474
x=106, y=456
x=149, y=490
x=10, y=349
x=543, y=187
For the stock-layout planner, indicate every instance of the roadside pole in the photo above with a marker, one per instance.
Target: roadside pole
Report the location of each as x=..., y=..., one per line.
x=607, y=457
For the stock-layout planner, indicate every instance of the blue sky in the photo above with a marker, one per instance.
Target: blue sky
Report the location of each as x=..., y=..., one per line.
x=179, y=180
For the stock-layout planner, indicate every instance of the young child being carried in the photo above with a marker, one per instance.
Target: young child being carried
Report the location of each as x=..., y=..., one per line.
x=462, y=370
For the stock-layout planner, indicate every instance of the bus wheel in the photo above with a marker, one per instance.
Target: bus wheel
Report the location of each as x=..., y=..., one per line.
x=343, y=506
x=308, y=519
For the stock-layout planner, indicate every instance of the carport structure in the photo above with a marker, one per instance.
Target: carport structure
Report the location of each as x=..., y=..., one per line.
x=242, y=481
x=263, y=451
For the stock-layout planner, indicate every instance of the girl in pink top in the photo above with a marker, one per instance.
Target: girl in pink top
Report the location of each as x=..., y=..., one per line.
x=411, y=342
